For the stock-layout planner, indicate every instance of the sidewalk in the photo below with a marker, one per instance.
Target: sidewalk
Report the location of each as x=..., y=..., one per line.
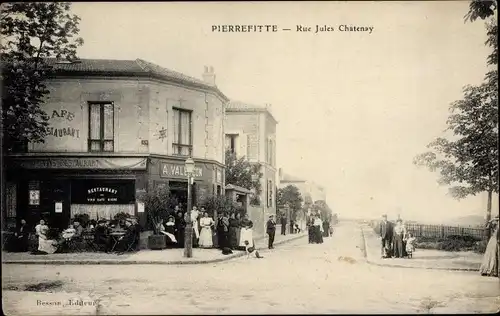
x=422, y=258
x=167, y=256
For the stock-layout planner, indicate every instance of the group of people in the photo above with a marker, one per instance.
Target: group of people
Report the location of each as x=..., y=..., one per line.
x=232, y=230
x=317, y=229
x=52, y=241
x=397, y=242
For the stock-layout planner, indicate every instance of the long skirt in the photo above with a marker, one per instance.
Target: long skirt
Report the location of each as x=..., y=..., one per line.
x=206, y=238
x=180, y=237
x=398, y=246
x=310, y=232
x=318, y=234
x=489, y=266
x=246, y=234
x=233, y=237
x=326, y=230
x=47, y=245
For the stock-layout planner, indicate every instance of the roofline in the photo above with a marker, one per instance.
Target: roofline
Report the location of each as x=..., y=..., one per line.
x=61, y=73
x=254, y=109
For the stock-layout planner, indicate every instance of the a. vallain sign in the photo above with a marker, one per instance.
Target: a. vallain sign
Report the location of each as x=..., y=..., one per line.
x=173, y=170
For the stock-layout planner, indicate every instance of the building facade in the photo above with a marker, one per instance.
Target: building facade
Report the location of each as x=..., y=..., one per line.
x=251, y=132
x=308, y=189
x=117, y=129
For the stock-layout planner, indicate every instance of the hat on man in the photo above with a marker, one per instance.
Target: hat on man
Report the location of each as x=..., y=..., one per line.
x=271, y=216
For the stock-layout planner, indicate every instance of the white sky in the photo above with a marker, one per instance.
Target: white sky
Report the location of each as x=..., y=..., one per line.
x=353, y=108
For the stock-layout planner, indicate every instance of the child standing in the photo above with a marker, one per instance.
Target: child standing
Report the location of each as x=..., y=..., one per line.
x=410, y=244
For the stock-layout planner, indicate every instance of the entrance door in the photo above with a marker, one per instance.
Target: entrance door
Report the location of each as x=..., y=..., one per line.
x=178, y=190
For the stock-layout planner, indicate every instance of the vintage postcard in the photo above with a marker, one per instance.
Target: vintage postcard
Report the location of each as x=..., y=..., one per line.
x=172, y=158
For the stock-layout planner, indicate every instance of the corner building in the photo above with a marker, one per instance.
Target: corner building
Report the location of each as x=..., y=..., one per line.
x=118, y=128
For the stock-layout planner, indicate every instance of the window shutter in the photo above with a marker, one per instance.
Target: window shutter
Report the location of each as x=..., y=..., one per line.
x=242, y=144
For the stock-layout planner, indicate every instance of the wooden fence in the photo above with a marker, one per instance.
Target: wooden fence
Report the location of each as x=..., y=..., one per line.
x=439, y=231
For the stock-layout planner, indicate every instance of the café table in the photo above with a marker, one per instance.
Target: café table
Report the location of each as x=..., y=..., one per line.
x=115, y=235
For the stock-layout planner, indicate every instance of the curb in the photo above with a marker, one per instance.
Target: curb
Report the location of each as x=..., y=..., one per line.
x=130, y=262
x=407, y=267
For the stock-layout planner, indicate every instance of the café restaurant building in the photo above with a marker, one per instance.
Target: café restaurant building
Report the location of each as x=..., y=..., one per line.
x=117, y=129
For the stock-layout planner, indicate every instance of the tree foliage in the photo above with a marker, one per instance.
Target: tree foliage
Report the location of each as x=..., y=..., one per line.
x=215, y=204
x=31, y=33
x=469, y=162
x=321, y=207
x=158, y=204
x=239, y=171
x=290, y=195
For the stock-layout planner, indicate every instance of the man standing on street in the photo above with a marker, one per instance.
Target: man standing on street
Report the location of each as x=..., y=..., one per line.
x=386, y=233
x=271, y=231
x=283, y=224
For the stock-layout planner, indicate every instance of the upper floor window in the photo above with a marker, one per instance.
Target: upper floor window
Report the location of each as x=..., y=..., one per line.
x=231, y=141
x=101, y=126
x=183, y=140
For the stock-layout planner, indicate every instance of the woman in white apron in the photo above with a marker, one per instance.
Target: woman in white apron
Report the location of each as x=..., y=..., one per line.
x=206, y=224
x=246, y=232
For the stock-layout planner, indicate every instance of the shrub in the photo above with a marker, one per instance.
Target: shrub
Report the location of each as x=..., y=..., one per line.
x=480, y=246
x=220, y=204
x=158, y=205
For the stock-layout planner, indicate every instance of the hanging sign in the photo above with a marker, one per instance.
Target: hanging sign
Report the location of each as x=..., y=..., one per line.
x=59, y=207
x=140, y=207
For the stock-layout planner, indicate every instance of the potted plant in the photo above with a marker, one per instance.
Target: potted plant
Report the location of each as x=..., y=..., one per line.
x=157, y=203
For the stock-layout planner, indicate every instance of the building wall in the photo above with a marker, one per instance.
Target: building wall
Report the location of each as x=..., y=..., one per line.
x=143, y=116
x=254, y=129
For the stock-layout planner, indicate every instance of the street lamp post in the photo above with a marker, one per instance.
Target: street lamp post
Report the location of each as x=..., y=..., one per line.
x=188, y=237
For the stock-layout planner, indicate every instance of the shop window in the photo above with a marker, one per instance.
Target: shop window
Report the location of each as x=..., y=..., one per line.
x=183, y=139
x=11, y=200
x=101, y=126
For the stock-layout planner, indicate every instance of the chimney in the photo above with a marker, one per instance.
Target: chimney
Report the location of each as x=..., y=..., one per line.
x=209, y=75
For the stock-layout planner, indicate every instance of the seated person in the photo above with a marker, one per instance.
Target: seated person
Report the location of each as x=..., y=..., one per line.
x=101, y=237
x=130, y=237
x=47, y=241
x=19, y=241
x=92, y=224
x=78, y=229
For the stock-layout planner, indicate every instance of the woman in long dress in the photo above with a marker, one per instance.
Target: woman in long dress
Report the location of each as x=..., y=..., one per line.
x=234, y=226
x=180, y=224
x=246, y=233
x=489, y=266
x=318, y=230
x=46, y=244
x=310, y=229
x=399, y=235
x=169, y=231
x=206, y=224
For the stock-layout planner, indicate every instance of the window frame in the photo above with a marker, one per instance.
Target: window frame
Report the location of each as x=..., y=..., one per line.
x=176, y=144
x=269, y=193
x=102, y=124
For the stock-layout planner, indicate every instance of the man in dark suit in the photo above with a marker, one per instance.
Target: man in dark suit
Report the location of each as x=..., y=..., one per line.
x=386, y=233
x=283, y=224
x=271, y=231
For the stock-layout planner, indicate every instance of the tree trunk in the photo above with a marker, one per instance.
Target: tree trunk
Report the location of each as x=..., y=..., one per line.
x=488, y=207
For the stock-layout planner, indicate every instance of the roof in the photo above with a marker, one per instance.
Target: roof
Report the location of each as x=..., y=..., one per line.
x=289, y=178
x=237, y=188
x=238, y=106
x=128, y=68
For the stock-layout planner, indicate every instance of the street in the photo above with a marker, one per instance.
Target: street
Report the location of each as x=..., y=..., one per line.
x=294, y=278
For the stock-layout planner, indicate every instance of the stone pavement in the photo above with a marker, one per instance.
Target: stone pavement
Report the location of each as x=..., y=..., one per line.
x=166, y=256
x=422, y=258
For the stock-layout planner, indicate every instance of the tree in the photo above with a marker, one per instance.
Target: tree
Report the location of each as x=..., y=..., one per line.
x=158, y=204
x=215, y=204
x=239, y=171
x=32, y=32
x=469, y=162
x=290, y=195
x=324, y=210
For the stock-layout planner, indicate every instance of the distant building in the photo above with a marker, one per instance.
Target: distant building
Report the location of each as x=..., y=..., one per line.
x=118, y=128
x=251, y=132
x=307, y=188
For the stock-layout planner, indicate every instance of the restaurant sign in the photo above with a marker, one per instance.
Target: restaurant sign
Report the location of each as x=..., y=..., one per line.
x=172, y=170
x=94, y=191
x=82, y=163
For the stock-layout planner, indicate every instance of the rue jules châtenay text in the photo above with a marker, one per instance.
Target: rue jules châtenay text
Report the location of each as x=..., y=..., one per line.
x=299, y=28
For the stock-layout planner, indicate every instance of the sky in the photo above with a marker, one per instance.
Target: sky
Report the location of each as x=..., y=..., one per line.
x=353, y=108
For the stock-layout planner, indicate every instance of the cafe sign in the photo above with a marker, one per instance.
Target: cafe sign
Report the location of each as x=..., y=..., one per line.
x=82, y=163
x=172, y=170
x=106, y=191
x=102, y=195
